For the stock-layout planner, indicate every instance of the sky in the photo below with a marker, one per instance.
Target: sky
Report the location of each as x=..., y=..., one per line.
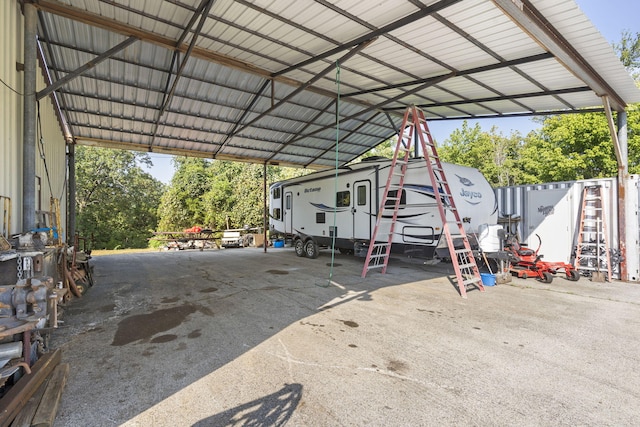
x=610, y=17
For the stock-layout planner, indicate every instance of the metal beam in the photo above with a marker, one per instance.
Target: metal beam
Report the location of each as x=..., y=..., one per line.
x=169, y=95
x=247, y=110
x=82, y=69
x=71, y=208
x=409, y=19
x=29, y=119
x=112, y=25
x=317, y=77
x=623, y=176
x=382, y=104
x=332, y=148
x=476, y=70
x=309, y=123
x=500, y=98
x=531, y=21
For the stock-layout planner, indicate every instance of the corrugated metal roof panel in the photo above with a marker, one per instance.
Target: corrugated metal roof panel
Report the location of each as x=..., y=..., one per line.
x=244, y=44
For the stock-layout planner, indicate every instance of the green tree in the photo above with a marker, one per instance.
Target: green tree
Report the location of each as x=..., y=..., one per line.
x=217, y=194
x=116, y=200
x=182, y=205
x=628, y=51
x=384, y=149
x=495, y=155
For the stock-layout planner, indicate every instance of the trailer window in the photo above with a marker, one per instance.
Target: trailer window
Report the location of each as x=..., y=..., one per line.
x=361, y=192
x=276, y=193
x=320, y=218
x=288, y=201
x=394, y=194
x=343, y=198
x=276, y=213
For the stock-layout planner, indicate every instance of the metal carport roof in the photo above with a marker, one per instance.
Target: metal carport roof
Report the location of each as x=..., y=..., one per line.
x=257, y=80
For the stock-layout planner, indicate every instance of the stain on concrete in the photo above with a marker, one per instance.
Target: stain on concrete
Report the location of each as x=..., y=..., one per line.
x=167, y=300
x=144, y=326
x=107, y=308
x=353, y=346
x=178, y=376
x=204, y=310
x=208, y=290
x=270, y=288
x=335, y=264
x=350, y=323
x=147, y=353
x=194, y=334
x=280, y=272
x=396, y=365
x=182, y=346
x=164, y=338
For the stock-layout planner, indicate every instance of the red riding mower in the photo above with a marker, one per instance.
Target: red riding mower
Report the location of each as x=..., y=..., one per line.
x=525, y=263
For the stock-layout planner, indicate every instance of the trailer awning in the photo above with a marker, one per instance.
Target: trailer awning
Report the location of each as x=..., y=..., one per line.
x=257, y=80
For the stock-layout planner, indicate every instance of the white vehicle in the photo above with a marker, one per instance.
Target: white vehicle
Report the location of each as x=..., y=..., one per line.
x=308, y=210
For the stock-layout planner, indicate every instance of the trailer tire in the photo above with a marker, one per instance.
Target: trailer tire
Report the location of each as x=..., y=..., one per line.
x=311, y=249
x=298, y=245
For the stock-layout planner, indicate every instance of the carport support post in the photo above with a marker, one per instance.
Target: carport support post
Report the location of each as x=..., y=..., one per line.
x=29, y=119
x=619, y=138
x=630, y=268
x=265, y=223
x=71, y=164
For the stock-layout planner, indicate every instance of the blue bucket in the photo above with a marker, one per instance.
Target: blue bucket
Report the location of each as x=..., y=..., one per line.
x=488, y=279
x=278, y=244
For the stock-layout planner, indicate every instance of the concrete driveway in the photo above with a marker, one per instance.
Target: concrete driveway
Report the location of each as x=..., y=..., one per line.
x=239, y=337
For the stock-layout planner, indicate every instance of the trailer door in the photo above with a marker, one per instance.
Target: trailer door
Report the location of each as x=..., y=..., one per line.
x=363, y=210
x=288, y=212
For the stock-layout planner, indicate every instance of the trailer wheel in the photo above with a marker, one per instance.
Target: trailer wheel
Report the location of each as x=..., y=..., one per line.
x=573, y=275
x=546, y=277
x=299, y=247
x=311, y=249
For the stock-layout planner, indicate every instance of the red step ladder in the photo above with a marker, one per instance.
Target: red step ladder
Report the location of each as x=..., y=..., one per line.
x=414, y=127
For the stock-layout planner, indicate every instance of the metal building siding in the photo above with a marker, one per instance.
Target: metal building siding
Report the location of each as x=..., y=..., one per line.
x=11, y=120
x=517, y=201
x=11, y=109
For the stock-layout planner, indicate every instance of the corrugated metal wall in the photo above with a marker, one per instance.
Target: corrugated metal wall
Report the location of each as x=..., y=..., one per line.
x=11, y=113
x=552, y=211
x=11, y=108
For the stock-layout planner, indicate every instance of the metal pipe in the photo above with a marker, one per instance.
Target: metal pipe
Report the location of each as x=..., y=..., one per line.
x=623, y=200
x=265, y=213
x=623, y=175
x=29, y=119
x=71, y=208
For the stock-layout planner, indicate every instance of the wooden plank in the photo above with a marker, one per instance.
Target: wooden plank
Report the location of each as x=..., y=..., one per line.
x=15, y=399
x=46, y=413
x=23, y=419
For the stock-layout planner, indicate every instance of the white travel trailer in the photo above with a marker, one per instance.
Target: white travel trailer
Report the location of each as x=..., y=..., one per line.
x=308, y=210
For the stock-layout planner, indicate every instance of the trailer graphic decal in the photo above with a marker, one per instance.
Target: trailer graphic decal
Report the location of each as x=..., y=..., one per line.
x=465, y=181
x=326, y=208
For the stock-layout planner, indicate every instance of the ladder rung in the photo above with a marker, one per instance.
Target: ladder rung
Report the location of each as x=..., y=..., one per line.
x=380, y=245
x=468, y=265
x=472, y=280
